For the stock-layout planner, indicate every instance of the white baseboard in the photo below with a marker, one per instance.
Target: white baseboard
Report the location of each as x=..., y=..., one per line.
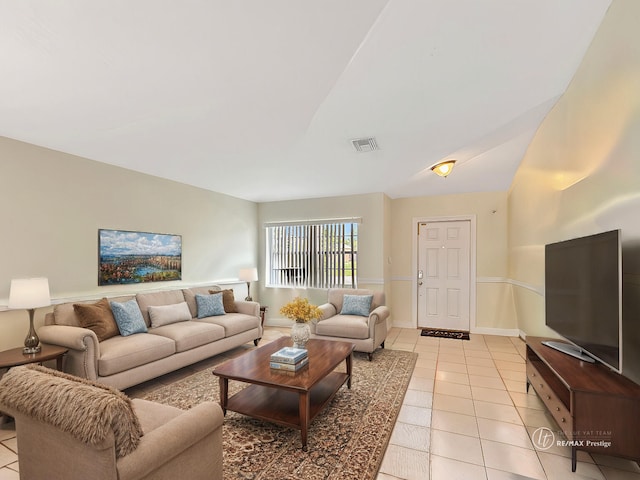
x=278, y=322
x=396, y=324
x=503, y=332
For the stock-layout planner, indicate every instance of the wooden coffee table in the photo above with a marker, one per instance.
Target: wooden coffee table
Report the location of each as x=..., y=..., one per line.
x=287, y=399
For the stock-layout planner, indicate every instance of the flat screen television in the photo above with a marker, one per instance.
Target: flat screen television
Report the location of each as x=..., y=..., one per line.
x=583, y=296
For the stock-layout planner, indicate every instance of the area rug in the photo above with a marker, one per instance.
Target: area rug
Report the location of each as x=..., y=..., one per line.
x=434, y=332
x=347, y=440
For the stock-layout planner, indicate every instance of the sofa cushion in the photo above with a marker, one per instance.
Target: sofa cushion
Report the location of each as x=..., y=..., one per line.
x=335, y=296
x=190, y=296
x=210, y=305
x=118, y=354
x=64, y=313
x=152, y=415
x=228, y=300
x=166, y=314
x=347, y=326
x=128, y=317
x=164, y=297
x=188, y=335
x=97, y=317
x=234, y=323
x=356, y=305
x=86, y=410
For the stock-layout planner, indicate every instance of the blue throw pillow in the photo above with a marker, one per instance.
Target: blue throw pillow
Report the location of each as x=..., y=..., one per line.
x=128, y=317
x=356, y=305
x=210, y=305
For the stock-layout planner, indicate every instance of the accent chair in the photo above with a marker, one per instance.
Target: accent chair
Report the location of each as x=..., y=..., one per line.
x=355, y=315
x=73, y=429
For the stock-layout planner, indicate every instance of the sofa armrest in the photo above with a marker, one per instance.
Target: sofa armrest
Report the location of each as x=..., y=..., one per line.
x=75, y=338
x=166, y=442
x=83, y=345
x=328, y=311
x=379, y=314
x=248, y=308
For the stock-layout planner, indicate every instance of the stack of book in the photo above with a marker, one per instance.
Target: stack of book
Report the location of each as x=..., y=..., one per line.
x=289, y=359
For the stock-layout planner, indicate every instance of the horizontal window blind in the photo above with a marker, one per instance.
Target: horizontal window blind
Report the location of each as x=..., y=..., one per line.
x=314, y=255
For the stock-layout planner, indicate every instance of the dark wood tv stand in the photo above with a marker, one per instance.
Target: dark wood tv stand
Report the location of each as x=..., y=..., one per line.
x=597, y=409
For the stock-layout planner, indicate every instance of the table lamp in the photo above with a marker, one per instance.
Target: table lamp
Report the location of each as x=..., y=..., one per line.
x=248, y=275
x=30, y=293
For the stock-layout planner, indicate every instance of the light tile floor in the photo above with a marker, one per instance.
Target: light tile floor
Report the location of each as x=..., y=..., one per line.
x=466, y=415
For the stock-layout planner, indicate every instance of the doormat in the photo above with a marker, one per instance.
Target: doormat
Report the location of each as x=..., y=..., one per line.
x=433, y=332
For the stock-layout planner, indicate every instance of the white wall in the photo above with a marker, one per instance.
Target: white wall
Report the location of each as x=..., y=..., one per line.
x=371, y=243
x=581, y=174
x=54, y=204
x=385, y=250
x=494, y=306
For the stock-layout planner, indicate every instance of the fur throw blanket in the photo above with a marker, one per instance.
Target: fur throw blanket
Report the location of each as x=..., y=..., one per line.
x=84, y=409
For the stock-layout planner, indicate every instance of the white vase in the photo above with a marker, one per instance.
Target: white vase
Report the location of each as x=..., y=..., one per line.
x=300, y=333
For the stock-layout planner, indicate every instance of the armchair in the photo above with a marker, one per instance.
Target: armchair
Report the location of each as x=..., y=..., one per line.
x=72, y=429
x=366, y=331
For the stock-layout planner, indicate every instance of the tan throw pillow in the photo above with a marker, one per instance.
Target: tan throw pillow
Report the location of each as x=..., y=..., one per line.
x=228, y=300
x=166, y=314
x=97, y=317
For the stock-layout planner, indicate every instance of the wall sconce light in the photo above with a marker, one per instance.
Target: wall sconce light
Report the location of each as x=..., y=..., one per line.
x=248, y=275
x=443, y=168
x=29, y=294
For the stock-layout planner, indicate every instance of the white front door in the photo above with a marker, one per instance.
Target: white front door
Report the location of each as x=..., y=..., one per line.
x=444, y=275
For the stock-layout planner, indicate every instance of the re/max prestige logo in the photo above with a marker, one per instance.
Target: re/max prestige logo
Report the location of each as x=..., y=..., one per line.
x=543, y=438
x=583, y=443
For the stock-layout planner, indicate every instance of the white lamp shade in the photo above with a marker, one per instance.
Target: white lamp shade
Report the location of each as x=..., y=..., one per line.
x=29, y=293
x=248, y=274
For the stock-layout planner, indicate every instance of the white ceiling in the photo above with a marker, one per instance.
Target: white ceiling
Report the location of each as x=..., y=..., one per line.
x=260, y=99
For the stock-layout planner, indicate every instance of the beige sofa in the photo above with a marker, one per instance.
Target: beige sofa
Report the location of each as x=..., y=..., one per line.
x=72, y=429
x=124, y=361
x=367, y=331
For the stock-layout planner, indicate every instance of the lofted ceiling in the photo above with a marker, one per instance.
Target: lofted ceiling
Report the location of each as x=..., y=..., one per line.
x=261, y=99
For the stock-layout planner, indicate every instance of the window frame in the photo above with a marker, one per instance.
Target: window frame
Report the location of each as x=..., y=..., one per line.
x=312, y=253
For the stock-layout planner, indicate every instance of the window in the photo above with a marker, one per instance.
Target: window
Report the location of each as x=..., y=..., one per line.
x=312, y=254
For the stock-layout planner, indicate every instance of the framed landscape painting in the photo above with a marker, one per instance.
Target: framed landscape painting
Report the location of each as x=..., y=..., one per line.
x=138, y=257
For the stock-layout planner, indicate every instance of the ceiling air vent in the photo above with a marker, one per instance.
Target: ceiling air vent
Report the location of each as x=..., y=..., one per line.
x=365, y=144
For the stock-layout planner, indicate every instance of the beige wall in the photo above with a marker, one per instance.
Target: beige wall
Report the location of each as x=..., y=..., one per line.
x=372, y=242
x=581, y=174
x=494, y=306
x=54, y=204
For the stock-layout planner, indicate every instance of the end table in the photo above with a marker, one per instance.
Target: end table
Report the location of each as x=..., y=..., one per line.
x=15, y=357
x=263, y=310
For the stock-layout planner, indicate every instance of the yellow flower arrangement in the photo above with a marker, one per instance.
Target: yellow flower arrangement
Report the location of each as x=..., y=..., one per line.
x=300, y=310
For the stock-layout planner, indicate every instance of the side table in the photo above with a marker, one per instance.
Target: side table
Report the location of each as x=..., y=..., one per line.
x=15, y=357
x=263, y=310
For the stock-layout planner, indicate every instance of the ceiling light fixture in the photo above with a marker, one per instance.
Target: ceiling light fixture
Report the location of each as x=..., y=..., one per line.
x=443, y=168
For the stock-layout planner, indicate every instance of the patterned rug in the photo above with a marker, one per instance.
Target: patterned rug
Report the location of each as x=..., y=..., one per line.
x=347, y=439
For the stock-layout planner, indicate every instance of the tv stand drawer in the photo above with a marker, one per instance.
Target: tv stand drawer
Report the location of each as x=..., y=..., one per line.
x=556, y=407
